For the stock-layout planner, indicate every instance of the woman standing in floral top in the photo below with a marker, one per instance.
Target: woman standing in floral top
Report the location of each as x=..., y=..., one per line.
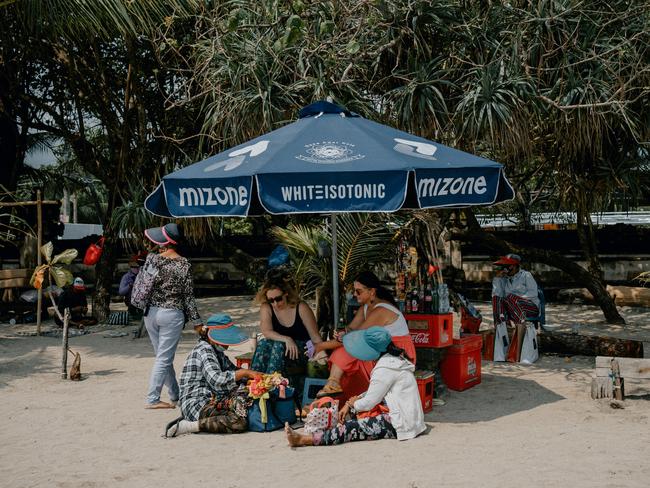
x=170, y=304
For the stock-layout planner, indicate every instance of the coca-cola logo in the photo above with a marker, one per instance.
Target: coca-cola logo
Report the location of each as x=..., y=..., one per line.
x=420, y=337
x=471, y=366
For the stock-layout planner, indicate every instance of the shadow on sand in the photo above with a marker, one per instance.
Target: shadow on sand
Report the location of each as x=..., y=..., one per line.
x=496, y=396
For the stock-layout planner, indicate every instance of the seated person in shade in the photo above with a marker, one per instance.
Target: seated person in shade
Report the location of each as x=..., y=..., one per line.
x=392, y=381
x=127, y=280
x=286, y=323
x=514, y=291
x=377, y=309
x=74, y=298
x=213, y=393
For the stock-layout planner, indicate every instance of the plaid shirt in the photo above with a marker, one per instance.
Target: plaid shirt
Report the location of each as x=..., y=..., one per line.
x=207, y=372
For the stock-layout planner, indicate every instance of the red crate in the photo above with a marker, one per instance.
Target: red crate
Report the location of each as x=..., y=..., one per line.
x=243, y=361
x=425, y=382
x=461, y=368
x=431, y=330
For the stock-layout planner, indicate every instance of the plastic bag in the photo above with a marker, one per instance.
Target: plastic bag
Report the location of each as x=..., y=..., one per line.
x=317, y=366
x=501, y=342
x=529, y=349
x=94, y=252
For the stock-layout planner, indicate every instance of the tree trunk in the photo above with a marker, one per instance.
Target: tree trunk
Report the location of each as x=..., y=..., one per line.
x=587, y=238
x=594, y=284
x=324, y=311
x=104, y=271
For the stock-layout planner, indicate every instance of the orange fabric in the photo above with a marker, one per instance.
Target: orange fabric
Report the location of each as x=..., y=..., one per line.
x=374, y=411
x=405, y=342
x=356, y=373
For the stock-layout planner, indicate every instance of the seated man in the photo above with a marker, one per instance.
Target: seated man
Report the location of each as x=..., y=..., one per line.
x=514, y=291
x=214, y=397
x=74, y=298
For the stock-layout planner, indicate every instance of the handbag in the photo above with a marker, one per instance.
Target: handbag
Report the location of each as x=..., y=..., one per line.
x=269, y=413
x=94, y=252
x=321, y=417
x=143, y=284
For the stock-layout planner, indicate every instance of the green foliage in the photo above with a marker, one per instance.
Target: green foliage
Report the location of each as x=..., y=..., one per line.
x=363, y=241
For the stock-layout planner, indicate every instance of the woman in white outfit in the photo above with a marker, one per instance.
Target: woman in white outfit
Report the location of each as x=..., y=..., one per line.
x=392, y=381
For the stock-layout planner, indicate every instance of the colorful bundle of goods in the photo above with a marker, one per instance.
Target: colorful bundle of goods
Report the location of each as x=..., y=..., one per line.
x=260, y=386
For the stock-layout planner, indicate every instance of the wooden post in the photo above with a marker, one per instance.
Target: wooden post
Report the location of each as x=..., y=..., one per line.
x=64, y=345
x=618, y=381
x=39, y=217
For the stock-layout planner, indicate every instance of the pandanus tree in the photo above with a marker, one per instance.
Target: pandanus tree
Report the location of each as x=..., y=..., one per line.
x=559, y=92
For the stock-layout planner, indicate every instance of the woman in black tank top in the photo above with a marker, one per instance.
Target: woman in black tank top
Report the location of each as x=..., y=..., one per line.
x=287, y=324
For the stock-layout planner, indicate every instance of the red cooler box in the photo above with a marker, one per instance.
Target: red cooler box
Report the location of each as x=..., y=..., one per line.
x=461, y=368
x=431, y=330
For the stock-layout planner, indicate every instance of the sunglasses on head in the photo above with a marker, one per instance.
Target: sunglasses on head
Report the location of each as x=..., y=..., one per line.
x=277, y=299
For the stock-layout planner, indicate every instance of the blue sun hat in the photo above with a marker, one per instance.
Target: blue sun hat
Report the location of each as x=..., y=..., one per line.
x=367, y=344
x=223, y=331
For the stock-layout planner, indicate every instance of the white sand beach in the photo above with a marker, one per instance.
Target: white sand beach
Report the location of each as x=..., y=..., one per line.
x=522, y=426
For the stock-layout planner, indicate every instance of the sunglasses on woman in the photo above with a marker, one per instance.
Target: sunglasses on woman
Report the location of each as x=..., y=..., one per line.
x=273, y=300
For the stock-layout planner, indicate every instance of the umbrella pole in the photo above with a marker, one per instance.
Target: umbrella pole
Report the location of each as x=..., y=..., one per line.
x=335, y=273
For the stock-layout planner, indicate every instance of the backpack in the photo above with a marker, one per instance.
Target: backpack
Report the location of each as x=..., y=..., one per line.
x=143, y=284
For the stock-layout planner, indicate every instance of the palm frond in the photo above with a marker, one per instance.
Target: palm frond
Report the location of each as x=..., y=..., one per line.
x=107, y=19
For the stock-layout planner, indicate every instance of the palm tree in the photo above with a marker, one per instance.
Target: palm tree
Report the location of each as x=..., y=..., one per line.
x=363, y=241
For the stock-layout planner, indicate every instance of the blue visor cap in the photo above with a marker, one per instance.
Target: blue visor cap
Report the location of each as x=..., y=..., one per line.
x=223, y=331
x=367, y=344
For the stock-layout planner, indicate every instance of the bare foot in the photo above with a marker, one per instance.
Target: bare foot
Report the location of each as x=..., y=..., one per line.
x=294, y=439
x=156, y=406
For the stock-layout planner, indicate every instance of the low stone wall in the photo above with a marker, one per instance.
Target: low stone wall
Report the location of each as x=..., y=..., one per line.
x=615, y=268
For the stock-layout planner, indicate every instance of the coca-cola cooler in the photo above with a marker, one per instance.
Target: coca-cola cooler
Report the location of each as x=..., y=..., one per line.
x=431, y=330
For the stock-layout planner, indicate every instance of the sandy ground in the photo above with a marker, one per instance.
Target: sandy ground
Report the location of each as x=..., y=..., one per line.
x=522, y=426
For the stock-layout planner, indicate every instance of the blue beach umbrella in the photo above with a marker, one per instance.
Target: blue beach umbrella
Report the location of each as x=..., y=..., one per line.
x=329, y=161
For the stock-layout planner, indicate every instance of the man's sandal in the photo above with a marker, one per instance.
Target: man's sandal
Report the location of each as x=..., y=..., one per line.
x=331, y=388
x=174, y=432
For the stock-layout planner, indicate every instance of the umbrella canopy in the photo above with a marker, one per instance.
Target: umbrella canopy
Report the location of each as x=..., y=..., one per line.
x=328, y=161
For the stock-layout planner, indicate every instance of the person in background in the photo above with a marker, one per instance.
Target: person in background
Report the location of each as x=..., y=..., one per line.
x=286, y=323
x=377, y=308
x=214, y=397
x=171, y=303
x=392, y=381
x=514, y=291
x=74, y=298
x=128, y=278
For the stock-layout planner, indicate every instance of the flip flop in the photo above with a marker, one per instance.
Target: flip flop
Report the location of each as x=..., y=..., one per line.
x=159, y=405
x=171, y=424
